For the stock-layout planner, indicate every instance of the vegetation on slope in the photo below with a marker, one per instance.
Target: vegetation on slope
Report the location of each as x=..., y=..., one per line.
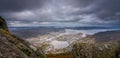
x=61, y=55
x=88, y=49
x=12, y=46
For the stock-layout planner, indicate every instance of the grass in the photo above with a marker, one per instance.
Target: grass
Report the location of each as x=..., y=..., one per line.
x=20, y=44
x=62, y=55
x=27, y=52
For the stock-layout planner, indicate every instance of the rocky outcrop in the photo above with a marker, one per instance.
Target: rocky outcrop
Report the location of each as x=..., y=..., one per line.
x=3, y=24
x=12, y=46
x=90, y=48
x=98, y=50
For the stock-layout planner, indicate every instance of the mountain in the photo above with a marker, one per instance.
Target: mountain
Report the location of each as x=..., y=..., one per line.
x=100, y=45
x=107, y=36
x=12, y=46
x=28, y=32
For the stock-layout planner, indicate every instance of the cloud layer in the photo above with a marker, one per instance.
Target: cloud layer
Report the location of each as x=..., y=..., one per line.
x=84, y=12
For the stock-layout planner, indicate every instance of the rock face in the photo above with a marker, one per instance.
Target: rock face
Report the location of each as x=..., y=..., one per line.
x=12, y=46
x=98, y=50
x=90, y=48
x=3, y=24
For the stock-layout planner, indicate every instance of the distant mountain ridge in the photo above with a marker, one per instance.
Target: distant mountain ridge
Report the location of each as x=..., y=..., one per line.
x=31, y=31
x=107, y=36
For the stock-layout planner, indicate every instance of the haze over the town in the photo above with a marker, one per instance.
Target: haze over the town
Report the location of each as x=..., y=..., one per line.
x=61, y=12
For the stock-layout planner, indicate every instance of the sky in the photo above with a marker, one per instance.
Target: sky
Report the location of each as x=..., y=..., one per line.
x=61, y=12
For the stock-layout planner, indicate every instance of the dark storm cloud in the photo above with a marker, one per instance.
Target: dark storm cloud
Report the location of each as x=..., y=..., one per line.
x=82, y=11
x=19, y=5
x=106, y=10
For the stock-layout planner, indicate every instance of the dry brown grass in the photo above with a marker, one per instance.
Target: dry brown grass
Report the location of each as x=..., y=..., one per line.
x=64, y=55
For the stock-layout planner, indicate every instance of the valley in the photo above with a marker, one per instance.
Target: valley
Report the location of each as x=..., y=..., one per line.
x=62, y=42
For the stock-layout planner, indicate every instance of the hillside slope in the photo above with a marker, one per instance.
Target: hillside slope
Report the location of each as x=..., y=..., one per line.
x=12, y=46
x=107, y=36
x=100, y=45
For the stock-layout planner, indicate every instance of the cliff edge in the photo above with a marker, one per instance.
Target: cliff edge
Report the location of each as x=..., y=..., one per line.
x=12, y=46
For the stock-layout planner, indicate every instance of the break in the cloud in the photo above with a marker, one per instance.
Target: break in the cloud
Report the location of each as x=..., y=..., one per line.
x=84, y=12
